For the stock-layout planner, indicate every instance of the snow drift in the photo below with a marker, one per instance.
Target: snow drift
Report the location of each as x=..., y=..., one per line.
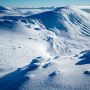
x=45, y=51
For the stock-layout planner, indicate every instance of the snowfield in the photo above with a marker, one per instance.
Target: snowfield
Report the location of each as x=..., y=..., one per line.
x=46, y=50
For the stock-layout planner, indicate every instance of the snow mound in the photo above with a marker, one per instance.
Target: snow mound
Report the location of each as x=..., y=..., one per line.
x=87, y=72
x=85, y=58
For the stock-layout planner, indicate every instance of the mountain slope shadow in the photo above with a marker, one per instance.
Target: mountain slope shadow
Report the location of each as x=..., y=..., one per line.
x=85, y=59
x=15, y=79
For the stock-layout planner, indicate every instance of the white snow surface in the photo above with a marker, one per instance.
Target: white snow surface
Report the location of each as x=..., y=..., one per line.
x=45, y=51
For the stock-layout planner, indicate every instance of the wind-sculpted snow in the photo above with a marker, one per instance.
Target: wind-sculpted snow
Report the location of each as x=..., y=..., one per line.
x=66, y=19
x=45, y=51
x=14, y=79
x=85, y=58
x=69, y=23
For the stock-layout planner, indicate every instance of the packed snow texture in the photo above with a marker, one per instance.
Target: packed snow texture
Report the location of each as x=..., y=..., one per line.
x=46, y=50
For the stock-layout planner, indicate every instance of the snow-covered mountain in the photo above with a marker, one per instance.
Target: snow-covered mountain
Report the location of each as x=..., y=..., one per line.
x=34, y=10
x=45, y=51
x=9, y=11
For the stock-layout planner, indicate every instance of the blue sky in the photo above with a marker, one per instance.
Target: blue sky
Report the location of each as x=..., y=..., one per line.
x=38, y=3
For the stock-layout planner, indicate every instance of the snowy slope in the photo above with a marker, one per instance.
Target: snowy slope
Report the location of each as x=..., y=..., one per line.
x=45, y=51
